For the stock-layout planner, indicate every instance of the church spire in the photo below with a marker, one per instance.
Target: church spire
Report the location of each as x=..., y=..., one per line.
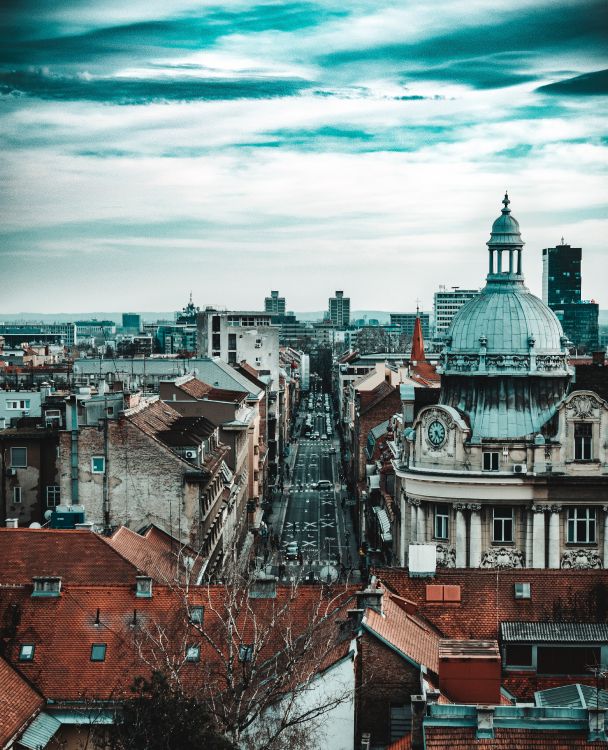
x=417, y=354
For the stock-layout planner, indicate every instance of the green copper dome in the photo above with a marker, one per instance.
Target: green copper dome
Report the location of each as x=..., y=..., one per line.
x=504, y=365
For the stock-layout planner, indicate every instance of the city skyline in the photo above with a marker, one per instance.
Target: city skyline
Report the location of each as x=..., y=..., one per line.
x=234, y=149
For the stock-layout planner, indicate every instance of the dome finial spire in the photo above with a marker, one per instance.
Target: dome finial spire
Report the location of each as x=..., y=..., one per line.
x=505, y=203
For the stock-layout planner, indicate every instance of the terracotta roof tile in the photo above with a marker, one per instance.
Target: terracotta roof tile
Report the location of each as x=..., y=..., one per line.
x=463, y=738
x=64, y=628
x=407, y=633
x=195, y=388
x=18, y=703
x=156, y=554
x=76, y=556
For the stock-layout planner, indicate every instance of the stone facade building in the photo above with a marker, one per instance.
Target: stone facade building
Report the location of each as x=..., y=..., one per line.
x=510, y=468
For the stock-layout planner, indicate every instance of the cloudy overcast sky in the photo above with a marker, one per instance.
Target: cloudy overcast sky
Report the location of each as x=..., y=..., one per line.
x=153, y=147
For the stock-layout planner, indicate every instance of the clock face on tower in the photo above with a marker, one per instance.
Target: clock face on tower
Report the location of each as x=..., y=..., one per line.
x=436, y=433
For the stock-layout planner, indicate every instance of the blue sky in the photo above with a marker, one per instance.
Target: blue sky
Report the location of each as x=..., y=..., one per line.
x=152, y=147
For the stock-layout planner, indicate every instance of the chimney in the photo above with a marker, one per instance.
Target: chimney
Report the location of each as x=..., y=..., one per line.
x=418, y=711
x=12, y=523
x=485, y=722
x=371, y=596
x=469, y=671
x=597, y=725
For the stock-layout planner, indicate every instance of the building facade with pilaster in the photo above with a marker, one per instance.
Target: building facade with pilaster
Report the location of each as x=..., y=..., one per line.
x=510, y=468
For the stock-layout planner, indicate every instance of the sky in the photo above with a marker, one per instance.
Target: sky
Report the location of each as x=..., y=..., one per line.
x=153, y=148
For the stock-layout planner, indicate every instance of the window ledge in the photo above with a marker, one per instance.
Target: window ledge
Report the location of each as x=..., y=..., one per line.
x=503, y=544
x=582, y=544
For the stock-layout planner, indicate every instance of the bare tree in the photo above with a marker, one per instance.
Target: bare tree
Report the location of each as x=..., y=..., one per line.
x=254, y=654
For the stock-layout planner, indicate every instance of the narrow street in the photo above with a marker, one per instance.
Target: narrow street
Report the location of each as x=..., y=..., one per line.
x=312, y=515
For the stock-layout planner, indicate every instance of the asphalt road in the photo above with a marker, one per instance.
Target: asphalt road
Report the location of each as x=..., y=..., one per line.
x=312, y=516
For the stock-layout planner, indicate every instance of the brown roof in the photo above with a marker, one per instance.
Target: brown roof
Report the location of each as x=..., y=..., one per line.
x=251, y=374
x=156, y=554
x=408, y=634
x=18, y=703
x=369, y=399
x=76, y=556
x=463, y=738
x=64, y=628
x=161, y=422
x=195, y=388
x=487, y=599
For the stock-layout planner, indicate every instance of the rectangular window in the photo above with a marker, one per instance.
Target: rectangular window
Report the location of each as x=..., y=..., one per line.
x=583, y=441
x=441, y=521
x=26, y=652
x=19, y=458
x=522, y=591
x=53, y=495
x=98, y=465
x=20, y=405
x=98, y=652
x=245, y=652
x=16, y=494
x=490, y=461
x=519, y=656
x=566, y=659
x=502, y=529
x=581, y=525
x=193, y=653
x=196, y=615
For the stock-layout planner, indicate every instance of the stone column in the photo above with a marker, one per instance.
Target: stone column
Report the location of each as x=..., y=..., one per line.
x=413, y=519
x=538, y=536
x=475, y=541
x=461, y=537
x=420, y=524
x=605, y=560
x=529, y=515
x=554, y=540
x=402, y=532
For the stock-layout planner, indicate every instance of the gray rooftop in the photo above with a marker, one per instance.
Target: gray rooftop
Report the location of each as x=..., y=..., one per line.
x=553, y=632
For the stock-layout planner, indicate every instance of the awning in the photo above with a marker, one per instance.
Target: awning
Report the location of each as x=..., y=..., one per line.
x=384, y=524
x=40, y=732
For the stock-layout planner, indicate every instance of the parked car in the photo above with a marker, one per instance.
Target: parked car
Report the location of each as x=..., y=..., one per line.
x=292, y=550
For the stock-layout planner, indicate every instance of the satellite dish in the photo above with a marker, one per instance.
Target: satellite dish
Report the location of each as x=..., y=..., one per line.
x=35, y=525
x=47, y=515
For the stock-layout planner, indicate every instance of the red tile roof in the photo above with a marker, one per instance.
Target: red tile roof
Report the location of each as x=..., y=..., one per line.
x=64, y=628
x=406, y=633
x=76, y=556
x=18, y=703
x=156, y=554
x=195, y=388
x=487, y=596
x=463, y=738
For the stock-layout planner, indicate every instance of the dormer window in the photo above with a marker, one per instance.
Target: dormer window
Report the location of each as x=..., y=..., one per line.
x=47, y=586
x=196, y=615
x=193, y=653
x=583, y=433
x=143, y=587
x=98, y=652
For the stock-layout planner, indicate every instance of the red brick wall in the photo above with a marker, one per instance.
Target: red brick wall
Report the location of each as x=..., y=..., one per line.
x=375, y=416
x=385, y=678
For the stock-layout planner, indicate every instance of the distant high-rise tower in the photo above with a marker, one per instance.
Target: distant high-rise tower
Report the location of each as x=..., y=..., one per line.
x=446, y=305
x=339, y=310
x=562, y=292
x=561, y=274
x=274, y=304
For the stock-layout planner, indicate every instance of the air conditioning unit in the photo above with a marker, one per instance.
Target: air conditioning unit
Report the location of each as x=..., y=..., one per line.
x=191, y=454
x=520, y=469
